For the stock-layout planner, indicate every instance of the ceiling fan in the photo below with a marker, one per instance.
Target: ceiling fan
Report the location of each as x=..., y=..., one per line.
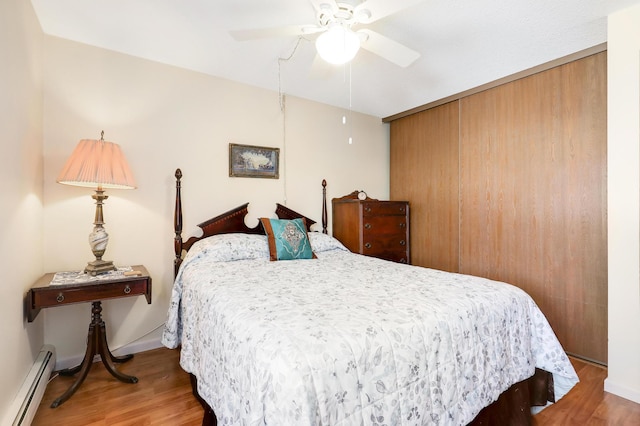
x=338, y=25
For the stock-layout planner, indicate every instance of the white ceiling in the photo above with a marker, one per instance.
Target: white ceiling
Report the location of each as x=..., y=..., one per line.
x=463, y=43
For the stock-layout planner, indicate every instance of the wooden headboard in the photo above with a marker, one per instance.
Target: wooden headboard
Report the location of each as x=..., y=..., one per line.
x=231, y=221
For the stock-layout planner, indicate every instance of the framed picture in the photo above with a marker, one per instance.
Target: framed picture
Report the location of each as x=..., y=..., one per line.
x=254, y=161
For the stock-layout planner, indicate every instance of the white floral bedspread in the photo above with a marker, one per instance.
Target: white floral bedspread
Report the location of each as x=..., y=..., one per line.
x=350, y=340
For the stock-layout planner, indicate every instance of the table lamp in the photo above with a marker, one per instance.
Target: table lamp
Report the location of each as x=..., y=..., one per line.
x=101, y=165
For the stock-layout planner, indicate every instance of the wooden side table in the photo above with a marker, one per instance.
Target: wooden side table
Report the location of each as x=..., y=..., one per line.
x=44, y=294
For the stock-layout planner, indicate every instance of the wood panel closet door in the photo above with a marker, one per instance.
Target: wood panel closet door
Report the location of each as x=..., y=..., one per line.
x=424, y=170
x=533, y=195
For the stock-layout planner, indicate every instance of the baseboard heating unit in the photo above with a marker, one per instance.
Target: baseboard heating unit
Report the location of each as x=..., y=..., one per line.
x=28, y=399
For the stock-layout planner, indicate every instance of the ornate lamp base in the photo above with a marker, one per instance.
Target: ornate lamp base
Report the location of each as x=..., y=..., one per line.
x=98, y=239
x=99, y=267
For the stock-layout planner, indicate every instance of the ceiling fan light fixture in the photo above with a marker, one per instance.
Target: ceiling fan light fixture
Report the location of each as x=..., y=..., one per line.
x=338, y=45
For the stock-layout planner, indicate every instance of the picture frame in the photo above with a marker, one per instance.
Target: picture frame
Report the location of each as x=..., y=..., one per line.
x=254, y=161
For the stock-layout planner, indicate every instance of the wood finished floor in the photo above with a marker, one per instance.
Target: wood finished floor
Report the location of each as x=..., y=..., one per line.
x=163, y=397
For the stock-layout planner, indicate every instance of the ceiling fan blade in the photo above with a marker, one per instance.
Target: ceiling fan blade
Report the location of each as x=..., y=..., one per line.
x=288, y=31
x=390, y=50
x=372, y=10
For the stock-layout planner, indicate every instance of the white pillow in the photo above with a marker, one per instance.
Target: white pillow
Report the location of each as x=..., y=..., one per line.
x=322, y=242
x=230, y=247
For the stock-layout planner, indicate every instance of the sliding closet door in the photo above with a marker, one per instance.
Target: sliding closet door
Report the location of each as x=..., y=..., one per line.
x=533, y=195
x=424, y=170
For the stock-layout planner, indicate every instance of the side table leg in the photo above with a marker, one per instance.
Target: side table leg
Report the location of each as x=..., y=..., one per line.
x=108, y=358
x=83, y=368
x=113, y=358
x=96, y=344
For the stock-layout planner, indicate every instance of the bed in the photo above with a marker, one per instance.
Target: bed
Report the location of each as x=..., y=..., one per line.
x=338, y=338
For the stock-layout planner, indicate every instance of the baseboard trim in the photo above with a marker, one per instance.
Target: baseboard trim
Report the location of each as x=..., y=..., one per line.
x=133, y=348
x=24, y=406
x=621, y=391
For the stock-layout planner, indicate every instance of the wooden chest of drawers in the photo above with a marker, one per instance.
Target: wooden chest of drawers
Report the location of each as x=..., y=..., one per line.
x=372, y=227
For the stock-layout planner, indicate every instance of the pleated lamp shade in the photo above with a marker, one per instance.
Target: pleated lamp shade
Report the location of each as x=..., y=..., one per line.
x=97, y=164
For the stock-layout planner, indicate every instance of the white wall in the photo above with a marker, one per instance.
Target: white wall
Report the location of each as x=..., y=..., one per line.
x=165, y=117
x=624, y=203
x=20, y=191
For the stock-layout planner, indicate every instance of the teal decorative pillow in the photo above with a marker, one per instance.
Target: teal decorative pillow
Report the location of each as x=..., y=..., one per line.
x=288, y=239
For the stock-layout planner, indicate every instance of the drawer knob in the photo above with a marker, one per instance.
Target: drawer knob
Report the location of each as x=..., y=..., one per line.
x=367, y=226
x=127, y=289
x=403, y=225
x=367, y=209
x=368, y=245
x=401, y=209
x=60, y=298
x=403, y=242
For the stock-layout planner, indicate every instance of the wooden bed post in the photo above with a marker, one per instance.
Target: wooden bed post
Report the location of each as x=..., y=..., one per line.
x=177, y=225
x=324, y=206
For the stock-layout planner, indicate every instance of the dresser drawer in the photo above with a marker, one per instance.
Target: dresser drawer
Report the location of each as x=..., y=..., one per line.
x=395, y=256
x=387, y=253
x=384, y=208
x=374, y=244
x=53, y=296
x=384, y=225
